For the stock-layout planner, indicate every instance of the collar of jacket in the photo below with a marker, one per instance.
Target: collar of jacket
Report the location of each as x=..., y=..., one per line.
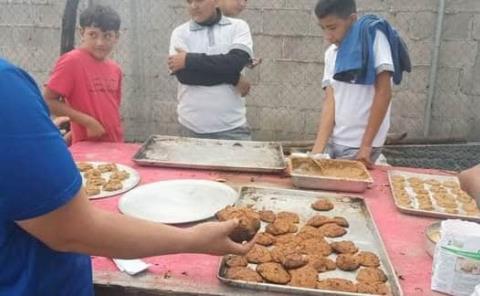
x=220, y=20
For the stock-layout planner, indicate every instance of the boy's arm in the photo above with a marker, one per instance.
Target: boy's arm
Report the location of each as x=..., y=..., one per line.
x=327, y=122
x=381, y=102
x=192, y=77
x=81, y=228
x=58, y=108
x=231, y=63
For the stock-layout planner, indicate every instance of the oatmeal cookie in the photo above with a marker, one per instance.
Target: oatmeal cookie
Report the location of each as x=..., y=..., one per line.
x=340, y=221
x=322, y=205
x=318, y=247
x=92, y=173
x=235, y=261
x=258, y=254
x=293, y=261
x=372, y=288
x=273, y=273
x=267, y=216
x=319, y=220
x=265, y=239
x=321, y=264
x=119, y=175
x=344, y=247
x=107, y=167
x=368, y=259
x=289, y=217
x=332, y=230
x=113, y=186
x=347, y=262
x=96, y=181
x=371, y=275
x=278, y=227
x=305, y=277
x=84, y=166
x=307, y=232
x=249, y=222
x=335, y=284
x=243, y=274
x=92, y=190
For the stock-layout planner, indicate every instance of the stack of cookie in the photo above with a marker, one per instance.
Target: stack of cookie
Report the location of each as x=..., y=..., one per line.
x=102, y=177
x=295, y=253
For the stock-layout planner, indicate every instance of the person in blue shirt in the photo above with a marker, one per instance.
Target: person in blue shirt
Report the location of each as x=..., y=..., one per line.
x=48, y=228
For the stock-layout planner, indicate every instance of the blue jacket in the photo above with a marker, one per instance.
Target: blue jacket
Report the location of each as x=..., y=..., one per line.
x=355, y=57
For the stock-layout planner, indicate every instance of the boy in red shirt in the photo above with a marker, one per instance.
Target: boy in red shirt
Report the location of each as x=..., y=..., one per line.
x=88, y=81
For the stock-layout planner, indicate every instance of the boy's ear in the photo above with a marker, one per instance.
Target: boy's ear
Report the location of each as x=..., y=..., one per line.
x=354, y=17
x=81, y=31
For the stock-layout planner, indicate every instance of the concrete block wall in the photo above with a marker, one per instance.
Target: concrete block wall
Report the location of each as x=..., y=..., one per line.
x=286, y=97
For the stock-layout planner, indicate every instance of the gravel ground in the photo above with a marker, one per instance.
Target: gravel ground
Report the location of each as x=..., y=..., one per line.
x=446, y=157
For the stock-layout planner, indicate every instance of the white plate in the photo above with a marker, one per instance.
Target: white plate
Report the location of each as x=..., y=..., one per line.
x=177, y=201
x=128, y=184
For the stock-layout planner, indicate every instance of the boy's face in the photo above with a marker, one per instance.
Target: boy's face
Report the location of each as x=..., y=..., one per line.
x=97, y=42
x=335, y=28
x=232, y=7
x=202, y=10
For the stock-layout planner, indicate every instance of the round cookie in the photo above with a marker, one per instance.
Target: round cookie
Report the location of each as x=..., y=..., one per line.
x=371, y=275
x=305, y=277
x=235, y=261
x=335, y=284
x=368, y=259
x=344, y=247
x=347, y=262
x=322, y=205
x=273, y=273
x=243, y=274
x=267, y=216
x=259, y=254
x=332, y=230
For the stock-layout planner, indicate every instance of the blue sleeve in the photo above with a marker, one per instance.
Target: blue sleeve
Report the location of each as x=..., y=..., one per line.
x=37, y=172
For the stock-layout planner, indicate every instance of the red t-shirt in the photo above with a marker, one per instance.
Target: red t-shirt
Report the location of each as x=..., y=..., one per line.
x=92, y=87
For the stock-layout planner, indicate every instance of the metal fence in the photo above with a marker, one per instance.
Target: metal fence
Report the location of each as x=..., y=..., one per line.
x=286, y=98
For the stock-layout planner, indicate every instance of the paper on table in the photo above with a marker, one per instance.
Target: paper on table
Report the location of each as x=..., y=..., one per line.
x=131, y=267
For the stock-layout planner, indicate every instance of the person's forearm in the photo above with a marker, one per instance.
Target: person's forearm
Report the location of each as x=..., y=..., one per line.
x=379, y=108
x=127, y=238
x=230, y=63
x=61, y=109
x=202, y=78
x=90, y=230
x=327, y=122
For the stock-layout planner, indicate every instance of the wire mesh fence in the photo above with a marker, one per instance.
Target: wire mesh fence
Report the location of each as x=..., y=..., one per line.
x=286, y=97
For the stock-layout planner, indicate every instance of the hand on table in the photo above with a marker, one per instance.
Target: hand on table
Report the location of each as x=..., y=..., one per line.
x=364, y=155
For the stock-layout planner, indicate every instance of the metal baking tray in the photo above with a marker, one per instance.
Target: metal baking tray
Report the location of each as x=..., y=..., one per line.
x=437, y=213
x=306, y=173
x=362, y=231
x=227, y=155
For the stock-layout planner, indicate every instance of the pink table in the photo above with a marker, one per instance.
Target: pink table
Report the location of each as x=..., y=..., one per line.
x=183, y=274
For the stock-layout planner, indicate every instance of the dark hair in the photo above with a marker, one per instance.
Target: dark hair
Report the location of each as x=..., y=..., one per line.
x=339, y=8
x=103, y=17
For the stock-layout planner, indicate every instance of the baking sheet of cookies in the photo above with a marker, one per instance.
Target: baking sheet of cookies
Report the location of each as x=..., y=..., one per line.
x=432, y=196
x=227, y=155
x=130, y=180
x=362, y=231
